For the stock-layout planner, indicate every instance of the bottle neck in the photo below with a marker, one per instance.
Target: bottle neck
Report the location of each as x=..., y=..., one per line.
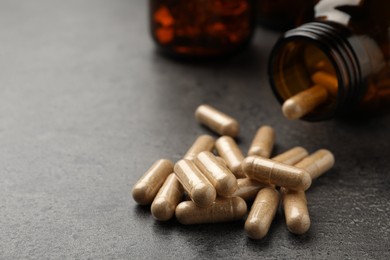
x=299, y=53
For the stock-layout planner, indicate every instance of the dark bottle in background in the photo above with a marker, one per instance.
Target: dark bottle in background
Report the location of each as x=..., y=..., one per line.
x=282, y=14
x=347, y=48
x=201, y=28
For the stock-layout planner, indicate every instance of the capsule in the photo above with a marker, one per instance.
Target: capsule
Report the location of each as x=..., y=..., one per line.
x=271, y=172
x=317, y=163
x=304, y=102
x=295, y=211
x=326, y=80
x=222, y=210
x=291, y=156
x=202, y=143
x=217, y=121
x=228, y=149
x=248, y=189
x=263, y=142
x=167, y=198
x=201, y=191
x=262, y=213
x=221, y=161
x=148, y=185
x=220, y=176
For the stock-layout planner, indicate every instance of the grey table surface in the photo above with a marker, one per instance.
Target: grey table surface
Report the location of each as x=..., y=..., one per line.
x=87, y=105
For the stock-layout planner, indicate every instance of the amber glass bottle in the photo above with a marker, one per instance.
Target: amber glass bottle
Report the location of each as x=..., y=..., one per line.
x=346, y=49
x=282, y=14
x=201, y=28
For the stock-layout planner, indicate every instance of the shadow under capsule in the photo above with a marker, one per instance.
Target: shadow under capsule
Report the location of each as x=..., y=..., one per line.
x=142, y=211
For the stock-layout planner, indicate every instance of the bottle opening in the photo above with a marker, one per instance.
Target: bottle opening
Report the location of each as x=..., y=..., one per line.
x=300, y=65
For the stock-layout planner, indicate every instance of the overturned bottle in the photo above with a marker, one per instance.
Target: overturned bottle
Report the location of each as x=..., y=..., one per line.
x=337, y=64
x=201, y=28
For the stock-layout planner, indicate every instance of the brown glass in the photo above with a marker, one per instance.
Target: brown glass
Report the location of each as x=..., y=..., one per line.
x=201, y=28
x=282, y=14
x=348, y=40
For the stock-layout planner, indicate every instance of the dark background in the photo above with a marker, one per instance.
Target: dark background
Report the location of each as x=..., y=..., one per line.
x=87, y=105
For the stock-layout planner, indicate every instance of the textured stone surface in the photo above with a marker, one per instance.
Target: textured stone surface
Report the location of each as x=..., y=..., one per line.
x=86, y=106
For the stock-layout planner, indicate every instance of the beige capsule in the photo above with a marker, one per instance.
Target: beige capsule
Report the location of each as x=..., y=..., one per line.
x=295, y=211
x=291, y=156
x=221, y=161
x=222, y=210
x=304, y=102
x=317, y=163
x=263, y=142
x=228, y=149
x=217, y=121
x=167, y=198
x=202, y=143
x=326, y=80
x=279, y=174
x=148, y=185
x=262, y=213
x=198, y=187
x=248, y=189
x=219, y=175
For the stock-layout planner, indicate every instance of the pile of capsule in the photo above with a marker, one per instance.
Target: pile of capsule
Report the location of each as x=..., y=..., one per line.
x=208, y=188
